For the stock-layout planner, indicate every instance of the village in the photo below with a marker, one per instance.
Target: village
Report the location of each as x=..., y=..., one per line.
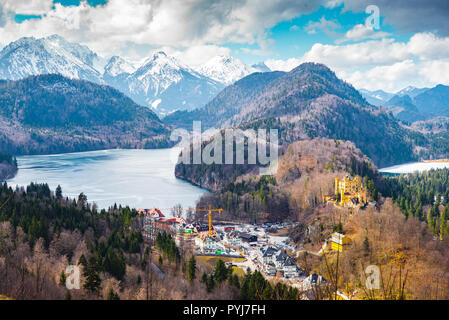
x=258, y=247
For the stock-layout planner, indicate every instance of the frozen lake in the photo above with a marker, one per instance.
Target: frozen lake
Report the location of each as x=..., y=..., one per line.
x=138, y=178
x=415, y=166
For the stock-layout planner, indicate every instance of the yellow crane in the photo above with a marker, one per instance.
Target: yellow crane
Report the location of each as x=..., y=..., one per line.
x=209, y=211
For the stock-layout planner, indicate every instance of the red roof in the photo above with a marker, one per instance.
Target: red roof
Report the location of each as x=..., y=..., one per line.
x=155, y=213
x=151, y=212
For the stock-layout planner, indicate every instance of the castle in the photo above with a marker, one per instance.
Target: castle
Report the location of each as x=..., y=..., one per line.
x=350, y=192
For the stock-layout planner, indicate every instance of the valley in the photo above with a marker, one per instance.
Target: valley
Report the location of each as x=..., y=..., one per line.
x=93, y=179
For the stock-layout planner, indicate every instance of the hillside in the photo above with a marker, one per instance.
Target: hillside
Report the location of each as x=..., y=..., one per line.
x=53, y=114
x=310, y=101
x=8, y=166
x=226, y=104
x=306, y=171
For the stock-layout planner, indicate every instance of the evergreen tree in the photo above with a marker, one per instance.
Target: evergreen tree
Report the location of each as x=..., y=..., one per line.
x=58, y=192
x=62, y=278
x=93, y=280
x=191, y=268
x=220, y=272
x=112, y=295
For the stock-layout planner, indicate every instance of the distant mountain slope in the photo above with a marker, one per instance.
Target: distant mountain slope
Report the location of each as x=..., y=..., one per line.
x=411, y=91
x=412, y=104
x=309, y=101
x=376, y=98
x=404, y=109
x=226, y=104
x=52, y=114
x=434, y=102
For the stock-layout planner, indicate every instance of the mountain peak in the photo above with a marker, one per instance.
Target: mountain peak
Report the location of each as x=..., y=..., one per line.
x=30, y=56
x=117, y=65
x=312, y=67
x=55, y=37
x=225, y=69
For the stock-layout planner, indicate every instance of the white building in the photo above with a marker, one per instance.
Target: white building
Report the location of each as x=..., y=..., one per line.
x=275, y=260
x=208, y=245
x=312, y=280
x=231, y=239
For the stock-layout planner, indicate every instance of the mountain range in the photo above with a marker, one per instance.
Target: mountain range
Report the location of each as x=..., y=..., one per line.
x=161, y=82
x=79, y=108
x=412, y=104
x=310, y=101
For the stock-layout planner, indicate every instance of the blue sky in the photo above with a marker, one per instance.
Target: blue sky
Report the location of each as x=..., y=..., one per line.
x=412, y=38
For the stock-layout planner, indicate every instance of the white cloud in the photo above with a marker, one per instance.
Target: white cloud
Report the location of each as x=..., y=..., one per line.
x=29, y=7
x=327, y=26
x=361, y=32
x=197, y=55
x=283, y=65
x=294, y=28
x=155, y=23
x=382, y=64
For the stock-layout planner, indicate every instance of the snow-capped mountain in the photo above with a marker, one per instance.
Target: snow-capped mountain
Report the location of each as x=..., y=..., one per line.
x=167, y=85
x=117, y=66
x=225, y=69
x=161, y=82
x=411, y=91
x=31, y=56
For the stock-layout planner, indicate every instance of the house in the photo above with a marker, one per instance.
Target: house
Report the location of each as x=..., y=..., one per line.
x=164, y=224
x=246, y=237
x=207, y=244
x=312, y=281
x=232, y=239
x=286, y=264
x=278, y=261
x=151, y=213
x=267, y=254
x=290, y=268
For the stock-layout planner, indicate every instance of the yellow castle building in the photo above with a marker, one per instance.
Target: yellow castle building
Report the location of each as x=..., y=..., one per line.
x=338, y=240
x=350, y=192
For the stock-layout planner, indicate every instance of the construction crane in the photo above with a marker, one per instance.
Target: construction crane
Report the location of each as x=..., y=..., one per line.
x=209, y=211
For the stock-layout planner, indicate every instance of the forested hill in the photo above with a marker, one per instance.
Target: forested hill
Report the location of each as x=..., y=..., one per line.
x=310, y=101
x=51, y=113
x=8, y=166
x=306, y=170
